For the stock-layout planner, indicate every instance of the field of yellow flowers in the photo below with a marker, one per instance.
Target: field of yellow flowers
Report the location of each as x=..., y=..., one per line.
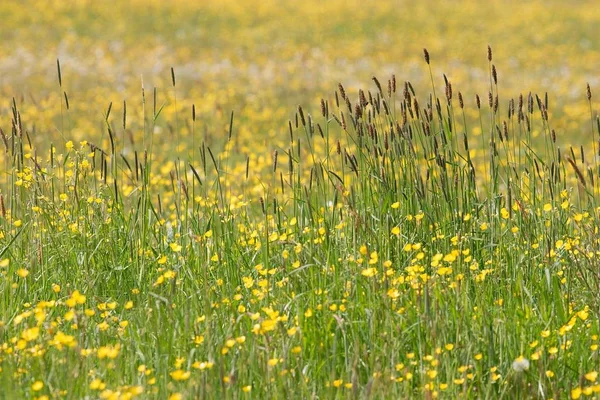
x=317, y=199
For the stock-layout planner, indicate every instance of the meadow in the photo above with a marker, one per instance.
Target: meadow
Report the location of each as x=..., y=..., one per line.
x=278, y=199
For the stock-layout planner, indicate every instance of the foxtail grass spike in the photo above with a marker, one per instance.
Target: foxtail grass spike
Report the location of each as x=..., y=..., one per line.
x=59, y=73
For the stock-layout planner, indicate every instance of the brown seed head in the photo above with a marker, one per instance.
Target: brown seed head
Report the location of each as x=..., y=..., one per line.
x=301, y=112
x=520, y=102
x=426, y=55
x=589, y=92
x=361, y=98
x=449, y=91
x=377, y=84
x=357, y=112
x=342, y=91
x=2, y=207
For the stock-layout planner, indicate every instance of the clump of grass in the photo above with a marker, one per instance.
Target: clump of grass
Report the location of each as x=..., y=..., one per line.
x=396, y=257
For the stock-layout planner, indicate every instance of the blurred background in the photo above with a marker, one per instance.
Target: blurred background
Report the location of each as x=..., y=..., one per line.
x=263, y=58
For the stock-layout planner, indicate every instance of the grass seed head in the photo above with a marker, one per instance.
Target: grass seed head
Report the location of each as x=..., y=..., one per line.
x=589, y=92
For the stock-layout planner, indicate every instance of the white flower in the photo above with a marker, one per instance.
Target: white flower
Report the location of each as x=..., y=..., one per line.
x=520, y=364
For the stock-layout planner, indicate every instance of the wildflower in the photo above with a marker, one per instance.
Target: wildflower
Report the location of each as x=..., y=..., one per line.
x=76, y=298
x=369, y=272
x=180, y=375
x=591, y=376
x=97, y=384
x=109, y=351
x=520, y=364
x=22, y=272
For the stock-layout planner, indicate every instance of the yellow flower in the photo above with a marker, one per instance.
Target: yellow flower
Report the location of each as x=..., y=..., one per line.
x=76, y=298
x=591, y=376
x=22, y=272
x=37, y=386
x=109, y=351
x=175, y=247
x=369, y=272
x=97, y=384
x=180, y=375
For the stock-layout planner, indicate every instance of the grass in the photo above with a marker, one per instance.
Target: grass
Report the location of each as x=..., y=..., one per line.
x=396, y=241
